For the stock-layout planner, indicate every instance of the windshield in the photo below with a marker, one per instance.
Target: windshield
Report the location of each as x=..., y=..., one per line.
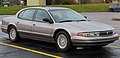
x=65, y=15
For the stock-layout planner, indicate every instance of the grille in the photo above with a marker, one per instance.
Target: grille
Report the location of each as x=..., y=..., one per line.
x=106, y=33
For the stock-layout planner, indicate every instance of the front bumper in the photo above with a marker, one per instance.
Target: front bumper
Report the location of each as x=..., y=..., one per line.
x=93, y=41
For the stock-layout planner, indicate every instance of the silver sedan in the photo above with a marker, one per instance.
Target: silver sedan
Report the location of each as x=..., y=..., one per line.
x=62, y=26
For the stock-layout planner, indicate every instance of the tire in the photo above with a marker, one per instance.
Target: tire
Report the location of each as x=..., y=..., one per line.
x=13, y=34
x=66, y=45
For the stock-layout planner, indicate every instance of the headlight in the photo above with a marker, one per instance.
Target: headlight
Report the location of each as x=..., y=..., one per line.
x=88, y=34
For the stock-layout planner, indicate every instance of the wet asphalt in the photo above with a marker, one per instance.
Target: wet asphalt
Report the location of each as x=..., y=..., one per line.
x=95, y=52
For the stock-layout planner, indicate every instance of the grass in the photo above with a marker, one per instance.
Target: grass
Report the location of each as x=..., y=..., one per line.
x=79, y=8
x=10, y=10
x=88, y=7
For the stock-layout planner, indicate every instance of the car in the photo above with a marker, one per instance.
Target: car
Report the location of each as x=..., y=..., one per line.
x=115, y=7
x=6, y=3
x=64, y=27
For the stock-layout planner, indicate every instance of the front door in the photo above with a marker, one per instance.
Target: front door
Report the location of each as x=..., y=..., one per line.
x=40, y=29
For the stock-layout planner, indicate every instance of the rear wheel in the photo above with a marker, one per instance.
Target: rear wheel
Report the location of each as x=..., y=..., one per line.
x=63, y=41
x=13, y=34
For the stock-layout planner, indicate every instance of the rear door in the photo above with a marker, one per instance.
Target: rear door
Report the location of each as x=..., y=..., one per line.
x=24, y=24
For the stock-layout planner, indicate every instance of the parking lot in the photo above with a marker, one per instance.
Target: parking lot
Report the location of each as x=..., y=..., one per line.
x=27, y=48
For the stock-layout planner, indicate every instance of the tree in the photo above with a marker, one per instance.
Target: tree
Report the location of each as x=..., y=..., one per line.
x=59, y=2
x=48, y=2
x=56, y=2
x=65, y=2
x=1, y=2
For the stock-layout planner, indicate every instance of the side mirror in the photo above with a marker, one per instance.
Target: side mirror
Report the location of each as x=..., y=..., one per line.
x=85, y=17
x=47, y=20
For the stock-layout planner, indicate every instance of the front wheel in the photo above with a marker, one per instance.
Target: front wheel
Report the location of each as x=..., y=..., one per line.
x=63, y=41
x=13, y=34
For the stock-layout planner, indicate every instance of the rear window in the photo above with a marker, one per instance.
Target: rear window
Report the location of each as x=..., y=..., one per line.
x=27, y=14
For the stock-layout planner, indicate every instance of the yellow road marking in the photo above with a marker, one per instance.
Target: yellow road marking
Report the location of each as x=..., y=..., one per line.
x=114, y=46
x=30, y=50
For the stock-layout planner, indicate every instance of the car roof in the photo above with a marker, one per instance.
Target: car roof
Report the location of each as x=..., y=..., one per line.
x=48, y=8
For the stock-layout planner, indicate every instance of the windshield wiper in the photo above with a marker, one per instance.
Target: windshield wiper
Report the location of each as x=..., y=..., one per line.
x=66, y=21
x=72, y=20
x=81, y=20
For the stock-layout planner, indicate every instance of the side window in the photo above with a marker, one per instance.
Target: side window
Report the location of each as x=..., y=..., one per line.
x=40, y=15
x=57, y=15
x=27, y=14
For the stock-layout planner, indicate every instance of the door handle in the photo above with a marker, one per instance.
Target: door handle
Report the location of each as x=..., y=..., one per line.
x=17, y=22
x=33, y=24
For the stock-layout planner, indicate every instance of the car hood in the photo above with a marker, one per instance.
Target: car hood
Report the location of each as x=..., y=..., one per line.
x=86, y=26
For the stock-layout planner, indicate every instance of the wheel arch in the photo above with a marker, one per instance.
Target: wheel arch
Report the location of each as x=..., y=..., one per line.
x=58, y=30
x=10, y=26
